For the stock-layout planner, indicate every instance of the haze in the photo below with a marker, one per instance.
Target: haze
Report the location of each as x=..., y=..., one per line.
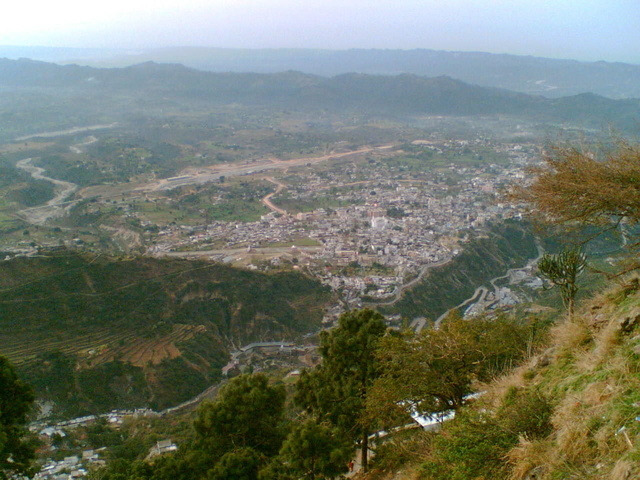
x=586, y=30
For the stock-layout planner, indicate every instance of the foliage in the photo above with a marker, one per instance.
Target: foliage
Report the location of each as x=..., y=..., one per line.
x=474, y=444
x=16, y=401
x=577, y=186
x=248, y=413
x=471, y=447
x=526, y=412
x=315, y=450
x=435, y=370
x=337, y=389
x=587, y=187
x=562, y=270
x=240, y=464
x=178, y=374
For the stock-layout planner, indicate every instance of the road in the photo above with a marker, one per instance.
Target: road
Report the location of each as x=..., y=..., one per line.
x=70, y=131
x=267, y=199
x=400, y=290
x=482, y=291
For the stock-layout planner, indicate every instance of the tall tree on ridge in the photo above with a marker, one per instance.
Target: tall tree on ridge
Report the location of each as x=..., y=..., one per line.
x=337, y=389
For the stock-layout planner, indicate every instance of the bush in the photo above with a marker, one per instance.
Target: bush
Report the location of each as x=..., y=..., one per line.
x=472, y=446
x=475, y=443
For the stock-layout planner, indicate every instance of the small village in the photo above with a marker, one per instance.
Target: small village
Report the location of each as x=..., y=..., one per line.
x=254, y=357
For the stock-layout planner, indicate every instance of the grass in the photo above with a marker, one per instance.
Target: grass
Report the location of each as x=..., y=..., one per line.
x=590, y=373
x=594, y=380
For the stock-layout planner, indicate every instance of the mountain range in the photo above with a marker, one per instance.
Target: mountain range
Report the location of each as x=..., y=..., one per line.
x=533, y=75
x=96, y=90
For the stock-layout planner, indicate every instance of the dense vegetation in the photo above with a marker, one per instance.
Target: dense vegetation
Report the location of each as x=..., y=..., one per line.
x=93, y=333
x=16, y=399
x=251, y=431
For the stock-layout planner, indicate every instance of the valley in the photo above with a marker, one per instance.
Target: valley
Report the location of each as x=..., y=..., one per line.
x=190, y=228
x=280, y=240
x=142, y=224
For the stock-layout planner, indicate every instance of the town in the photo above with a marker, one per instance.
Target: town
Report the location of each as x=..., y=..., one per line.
x=385, y=225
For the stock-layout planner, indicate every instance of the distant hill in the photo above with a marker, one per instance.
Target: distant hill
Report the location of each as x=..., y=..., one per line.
x=96, y=93
x=93, y=333
x=534, y=75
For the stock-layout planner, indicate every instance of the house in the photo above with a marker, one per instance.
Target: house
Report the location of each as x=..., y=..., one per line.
x=161, y=447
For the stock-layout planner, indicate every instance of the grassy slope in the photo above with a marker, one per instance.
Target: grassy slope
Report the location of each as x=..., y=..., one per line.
x=579, y=399
x=591, y=373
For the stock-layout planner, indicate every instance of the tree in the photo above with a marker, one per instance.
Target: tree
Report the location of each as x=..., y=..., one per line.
x=247, y=414
x=337, y=389
x=562, y=270
x=16, y=401
x=435, y=370
x=240, y=464
x=585, y=188
x=314, y=451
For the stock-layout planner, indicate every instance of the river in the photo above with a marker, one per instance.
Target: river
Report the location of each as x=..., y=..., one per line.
x=58, y=206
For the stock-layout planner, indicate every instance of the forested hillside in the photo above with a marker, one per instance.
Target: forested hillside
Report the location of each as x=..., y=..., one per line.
x=93, y=332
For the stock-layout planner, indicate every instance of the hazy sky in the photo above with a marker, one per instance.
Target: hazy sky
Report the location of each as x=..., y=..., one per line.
x=580, y=29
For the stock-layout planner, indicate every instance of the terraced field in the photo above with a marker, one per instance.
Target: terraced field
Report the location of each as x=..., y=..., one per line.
x=24, y=349
x=100, y=347
x=141, y=352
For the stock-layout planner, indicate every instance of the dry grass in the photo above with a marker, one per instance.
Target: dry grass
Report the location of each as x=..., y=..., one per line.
x=530, y=459
x=607, y=340
x=572, y=434
x=407, y=473
x=572, y=337
x=593, y=377
x=624, y=470
x=496, y=390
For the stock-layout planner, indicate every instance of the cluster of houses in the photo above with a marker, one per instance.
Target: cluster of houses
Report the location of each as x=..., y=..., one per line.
x=401, y=220
x=78, y=466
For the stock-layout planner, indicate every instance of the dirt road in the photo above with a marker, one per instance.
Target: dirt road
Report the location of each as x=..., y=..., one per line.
x=267, y=199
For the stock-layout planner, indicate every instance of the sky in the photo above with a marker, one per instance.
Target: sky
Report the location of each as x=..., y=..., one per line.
x=588, y=30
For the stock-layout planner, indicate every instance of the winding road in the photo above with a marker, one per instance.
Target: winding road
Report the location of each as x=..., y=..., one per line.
x=267, y=199
x=482, y=291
